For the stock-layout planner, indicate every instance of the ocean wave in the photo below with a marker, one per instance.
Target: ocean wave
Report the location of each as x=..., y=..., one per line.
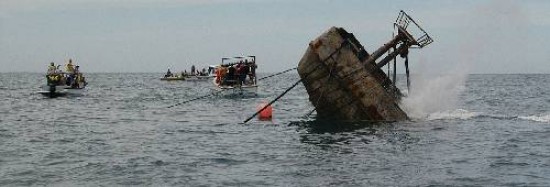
x=537, y=118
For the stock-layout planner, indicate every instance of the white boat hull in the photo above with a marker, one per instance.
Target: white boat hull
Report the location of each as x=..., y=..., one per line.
x=235, y=91
x=197, y=78
x=61, y=91
x=172, y=78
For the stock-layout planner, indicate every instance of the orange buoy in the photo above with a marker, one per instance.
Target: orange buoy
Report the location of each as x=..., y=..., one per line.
x=265, y=114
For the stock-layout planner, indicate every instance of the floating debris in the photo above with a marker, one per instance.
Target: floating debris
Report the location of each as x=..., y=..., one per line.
x=345, y=82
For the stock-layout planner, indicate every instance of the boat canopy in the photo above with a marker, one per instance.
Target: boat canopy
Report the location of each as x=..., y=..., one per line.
x=229, y=61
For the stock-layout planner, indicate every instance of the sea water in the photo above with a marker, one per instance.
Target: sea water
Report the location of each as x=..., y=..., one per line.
x=483, y=130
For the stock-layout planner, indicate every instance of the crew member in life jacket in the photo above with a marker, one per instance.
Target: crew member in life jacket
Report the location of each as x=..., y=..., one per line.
x=70, y=67
x=51, y=76
x=220, y=74
x=51, y=69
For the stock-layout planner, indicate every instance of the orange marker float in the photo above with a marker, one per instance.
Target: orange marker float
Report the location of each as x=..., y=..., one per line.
x=265, y=114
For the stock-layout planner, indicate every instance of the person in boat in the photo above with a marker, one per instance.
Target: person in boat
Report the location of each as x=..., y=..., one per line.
x=220, y=74
x=210, y=71
x=252, y=72
x=58, y=69
x=69, y=68
x=230, y=76
x=245, y=71
x=51, y=76
x=76, y=70
x=79, y=78
x=241, y=73
x=192, y=69
x=51, y=69
x=168, y=73
x=60, y=75
x=203, y=72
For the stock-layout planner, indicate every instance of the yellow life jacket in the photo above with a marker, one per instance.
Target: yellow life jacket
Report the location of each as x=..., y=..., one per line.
x=69, y=68
x=53, y=77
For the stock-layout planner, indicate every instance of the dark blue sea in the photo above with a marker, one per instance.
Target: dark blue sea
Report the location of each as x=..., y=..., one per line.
x=466, y=130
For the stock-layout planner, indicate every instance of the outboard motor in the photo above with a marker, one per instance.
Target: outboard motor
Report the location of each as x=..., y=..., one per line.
x=52, y=90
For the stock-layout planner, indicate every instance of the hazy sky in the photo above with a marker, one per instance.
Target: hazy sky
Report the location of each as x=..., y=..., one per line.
x=473, y=36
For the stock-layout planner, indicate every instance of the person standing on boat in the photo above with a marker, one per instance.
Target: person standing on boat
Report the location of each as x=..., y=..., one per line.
x=79, y=78
x=243, y=71
x=76, y=77
x=168, y=73
x=70, y=67
x=58, y=70
x=238, y=72
x=230, y=76
x=220, y=75
x=51, y=77
x=252, y=71
x=218, y=72
x=76, y=70
x=192, y=69
x=59, y=73
x=51, y=69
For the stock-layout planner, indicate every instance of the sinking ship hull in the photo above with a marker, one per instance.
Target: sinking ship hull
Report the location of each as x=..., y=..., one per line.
x=341, y=85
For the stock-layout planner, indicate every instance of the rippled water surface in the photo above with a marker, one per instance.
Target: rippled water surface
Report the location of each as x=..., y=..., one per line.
x=121, y=131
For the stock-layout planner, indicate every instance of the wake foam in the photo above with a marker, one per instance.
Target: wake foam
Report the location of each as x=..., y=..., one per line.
x=544, y=119
x=454, y=114
x=462, y=114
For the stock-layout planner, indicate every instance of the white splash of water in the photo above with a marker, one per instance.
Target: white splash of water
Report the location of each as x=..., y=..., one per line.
x=433, y=93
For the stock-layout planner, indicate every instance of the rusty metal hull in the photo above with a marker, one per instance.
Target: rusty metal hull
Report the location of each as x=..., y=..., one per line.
x=342, y=86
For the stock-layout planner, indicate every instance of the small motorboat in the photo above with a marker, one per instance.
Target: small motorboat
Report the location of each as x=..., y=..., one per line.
x=236, y=78
x=62, y=84
x=198, y=77
x=169, y=76
x=173, y=78
x=236, y=90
